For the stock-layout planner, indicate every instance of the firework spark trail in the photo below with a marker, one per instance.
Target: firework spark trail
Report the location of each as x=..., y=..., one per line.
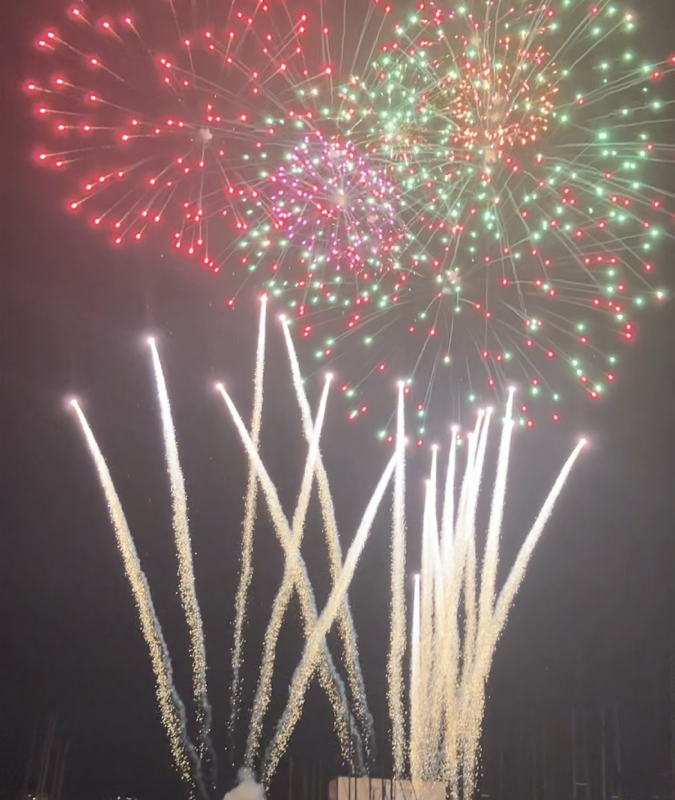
x=475, y=689
x=468, y=704
x=436, y=710
x=398, y=620
x=186, y=573
x=443, y=651
x=450, y=647
x=329, y=678
x=508, y=593
x=472, y=689
x=345, y=620
x=171, y=708
x=427, y=716
x=491, y=553
x=416, y=761
x=470, y=538
x=448, y=518
x=250, y=507
x=434, y=542
x=285, y=593
x=319, y=630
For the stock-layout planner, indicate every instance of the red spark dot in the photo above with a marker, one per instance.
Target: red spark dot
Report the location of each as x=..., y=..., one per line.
x=555, y=417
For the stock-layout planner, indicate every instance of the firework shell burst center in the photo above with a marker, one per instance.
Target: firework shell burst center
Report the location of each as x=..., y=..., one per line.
x=465, y=197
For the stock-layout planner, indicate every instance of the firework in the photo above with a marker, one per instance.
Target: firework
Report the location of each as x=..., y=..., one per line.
x=186, y=573
x=463, y=199
x=317, y=634
x=398, y=605
x=172, y=710
x=328, y=213
x=248, y=529
x=163, y=118
x=291, y=579
x=452, y=652
x=458, y=615
x=345, y=620
x=523, y=140
x=330, y=680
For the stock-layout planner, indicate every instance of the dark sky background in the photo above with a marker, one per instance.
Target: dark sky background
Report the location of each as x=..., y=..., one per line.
x=592, y=627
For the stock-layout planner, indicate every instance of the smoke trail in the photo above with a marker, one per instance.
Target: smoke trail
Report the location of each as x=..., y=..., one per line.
x=250, y=506
x=416, y=755
x=171, y=708
x=319, y=630
x=328, y=675
x=286, y=589
x=398, y=621
x=246, y=788
x=186, y=575
x=346, y=627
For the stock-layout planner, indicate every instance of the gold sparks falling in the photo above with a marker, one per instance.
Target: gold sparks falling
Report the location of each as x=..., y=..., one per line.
x=416, y=763
x=291, y=579
x=186, y=575
x=458, y=615
x=346, y=626
x=171, y=708
x=397, y=639
x=453, y=643
x=328, y=675
x=248, y=527
x=317, y=634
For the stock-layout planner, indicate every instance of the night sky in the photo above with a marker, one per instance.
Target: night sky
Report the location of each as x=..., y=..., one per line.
x=592, y=627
